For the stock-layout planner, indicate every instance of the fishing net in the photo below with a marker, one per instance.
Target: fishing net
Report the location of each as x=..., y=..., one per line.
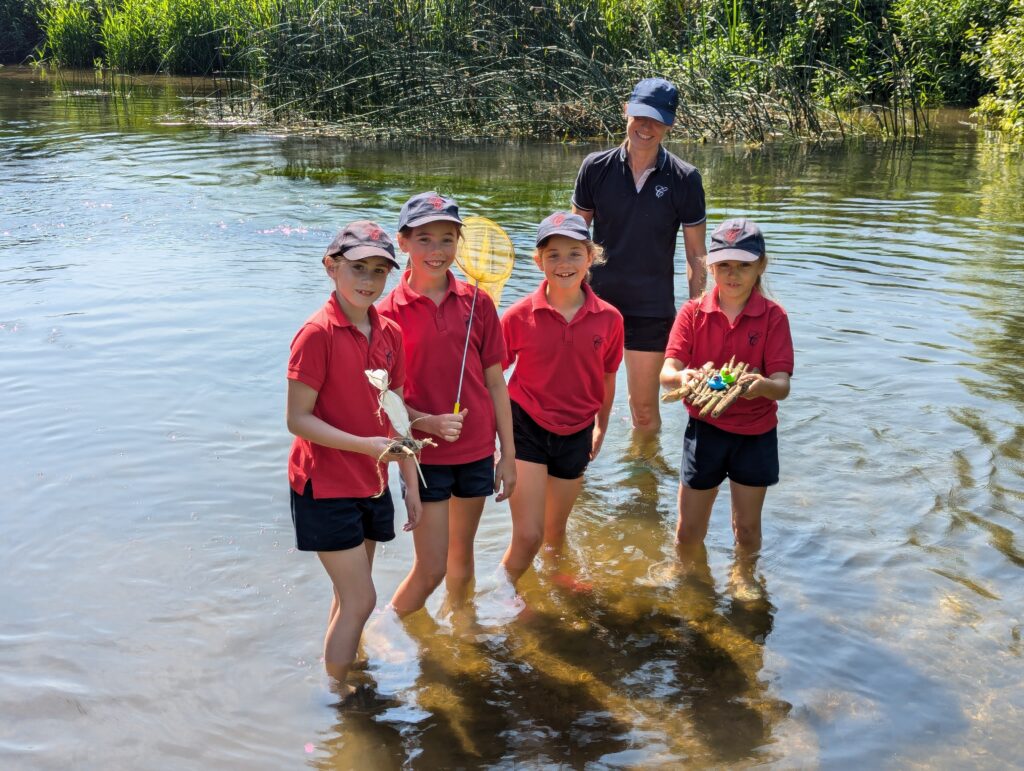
x=485, y=255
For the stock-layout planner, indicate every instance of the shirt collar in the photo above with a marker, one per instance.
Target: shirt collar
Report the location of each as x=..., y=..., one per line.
x=756, y=304
x=540, y=301
x=659, y=161
x=337, y=317
x=409, y=295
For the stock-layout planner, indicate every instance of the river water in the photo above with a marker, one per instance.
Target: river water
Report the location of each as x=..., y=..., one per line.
x=154, y=613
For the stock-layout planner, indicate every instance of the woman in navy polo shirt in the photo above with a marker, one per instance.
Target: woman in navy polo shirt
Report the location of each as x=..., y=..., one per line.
x=637, y=196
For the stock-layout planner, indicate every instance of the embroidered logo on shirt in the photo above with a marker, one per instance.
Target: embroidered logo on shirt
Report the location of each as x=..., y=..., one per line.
x=753, y=337
x=389, y=356
x=597, y=341
x=660, y=190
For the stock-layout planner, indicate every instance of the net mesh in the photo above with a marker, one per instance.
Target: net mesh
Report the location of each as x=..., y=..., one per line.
x=485, y=255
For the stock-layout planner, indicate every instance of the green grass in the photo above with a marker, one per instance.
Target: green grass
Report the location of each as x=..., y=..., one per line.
x=747, y=69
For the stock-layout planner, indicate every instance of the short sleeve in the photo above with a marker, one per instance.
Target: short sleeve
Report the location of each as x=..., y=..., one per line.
x=492, y=344
x=778, y=348
x=614, y=351
x=582, y=196
x=310, y=353
x=397, y=374
x=690, y=207
x=680, y=339
x=508, y=322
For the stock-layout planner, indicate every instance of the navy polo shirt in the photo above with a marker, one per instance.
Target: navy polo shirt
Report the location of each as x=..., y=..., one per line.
x=638, y=230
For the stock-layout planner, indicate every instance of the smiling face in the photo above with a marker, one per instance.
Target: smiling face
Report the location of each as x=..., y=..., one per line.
x=565, y=261
x=736, y=279
x=357, y=283
x=431, y=248
x=645, y=133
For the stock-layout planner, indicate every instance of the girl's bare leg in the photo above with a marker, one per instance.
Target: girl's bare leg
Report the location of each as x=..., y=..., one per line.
x=463, y=521
x=747, y=503
x=527, y=505
x=430, y=539
x=350, y=573
x=371, y=549
x=561, y=496
x=694, y=514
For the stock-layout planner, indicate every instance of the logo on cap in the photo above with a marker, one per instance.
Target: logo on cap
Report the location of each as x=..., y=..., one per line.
x=558, y=219
x=375, y=234
x=730, y=235
x=437, y=202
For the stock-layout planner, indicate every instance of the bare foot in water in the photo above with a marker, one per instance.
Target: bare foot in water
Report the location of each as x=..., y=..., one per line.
x=344, y=692
x=571, y=583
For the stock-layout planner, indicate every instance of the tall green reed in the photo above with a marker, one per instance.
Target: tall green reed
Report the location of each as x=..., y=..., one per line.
x=72, y=32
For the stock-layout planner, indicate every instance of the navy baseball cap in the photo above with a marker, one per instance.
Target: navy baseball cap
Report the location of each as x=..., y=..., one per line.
x=428, y=207
x=736, y=239
x=563, y=223
x=654, y=98
x=361, y=239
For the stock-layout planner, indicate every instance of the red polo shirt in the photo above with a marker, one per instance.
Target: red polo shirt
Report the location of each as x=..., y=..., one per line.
x=760, y=337
x=331, y=356
x=560, y=365
x=434, y=337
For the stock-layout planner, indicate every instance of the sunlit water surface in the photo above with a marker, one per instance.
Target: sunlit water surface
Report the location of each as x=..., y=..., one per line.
x=154, y=611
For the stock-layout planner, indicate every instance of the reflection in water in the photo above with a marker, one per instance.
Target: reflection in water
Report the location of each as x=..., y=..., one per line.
x=581, y=678
x=151, y=276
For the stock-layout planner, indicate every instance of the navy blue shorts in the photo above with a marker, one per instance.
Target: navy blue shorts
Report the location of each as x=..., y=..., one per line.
x=463, y=480
x=647, y=333
x=566, y=457
x=711, y=454
x=336, y=524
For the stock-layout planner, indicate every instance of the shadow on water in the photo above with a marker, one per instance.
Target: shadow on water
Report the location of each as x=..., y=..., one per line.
x=664, y=674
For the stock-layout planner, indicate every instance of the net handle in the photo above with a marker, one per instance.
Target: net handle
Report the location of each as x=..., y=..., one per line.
x=465, y=348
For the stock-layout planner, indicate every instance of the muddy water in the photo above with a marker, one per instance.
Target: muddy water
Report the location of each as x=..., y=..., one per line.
x=155, y=615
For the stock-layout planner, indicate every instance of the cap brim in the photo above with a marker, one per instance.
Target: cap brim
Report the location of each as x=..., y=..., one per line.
x=573, y=234
x=432, y=218
x=721, y=255
x=362, y=252
x=639, y=110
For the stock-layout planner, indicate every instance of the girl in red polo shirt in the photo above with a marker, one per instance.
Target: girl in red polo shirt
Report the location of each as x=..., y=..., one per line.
x=433, y=309
x=335, y=470
x=734, y=319
x=566, y=344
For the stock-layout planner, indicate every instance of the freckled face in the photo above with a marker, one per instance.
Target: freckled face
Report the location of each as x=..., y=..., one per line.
x=565, y=261
x=431, y=247
x=358, y=283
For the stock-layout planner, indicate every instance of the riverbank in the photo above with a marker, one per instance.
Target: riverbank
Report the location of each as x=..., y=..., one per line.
x=751, y=71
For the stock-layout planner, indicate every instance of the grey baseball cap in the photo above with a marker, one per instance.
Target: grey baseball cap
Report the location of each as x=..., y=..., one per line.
x=736, y=239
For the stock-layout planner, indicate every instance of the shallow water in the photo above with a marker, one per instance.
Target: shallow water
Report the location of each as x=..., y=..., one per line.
x=155, y=614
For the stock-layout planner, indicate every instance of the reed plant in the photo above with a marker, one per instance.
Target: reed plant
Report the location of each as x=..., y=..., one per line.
x=130, y=35
x=72, y=32
x=748, y=69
